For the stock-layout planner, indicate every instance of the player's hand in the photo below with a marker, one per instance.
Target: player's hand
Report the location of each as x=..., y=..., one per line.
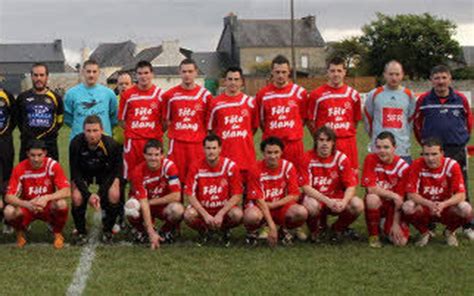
x=41, y=201
x=339, y=206
x=155, y=240
x=218, y=220
x=396, y=234
x=439, y=207
x=94, y=201
x=209, y=220
x=431, y=205
x=398, y=201
x=272, y=237
x=31, y=207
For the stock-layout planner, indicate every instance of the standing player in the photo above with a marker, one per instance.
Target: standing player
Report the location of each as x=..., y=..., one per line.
x=7, y=124
x=124, y=82
x=437, y=193
x=184, y=114
x=337, y=106
x=40, y=113
x=329, y=185
x=276, y=183
x=38, y=190
x=95, y=158
x=90, y=98
x=232, y=116
x=140, y=114
x=156, y=194
x=281, y=106
x=214, y=190
x=384, y=177
x=445, y=114
x=391, y=108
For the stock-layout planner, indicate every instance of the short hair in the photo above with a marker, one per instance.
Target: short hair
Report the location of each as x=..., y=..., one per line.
x=188, y=61
x=280, y=60
x=272, y=141
x=123, y=73
x=144, y=64
x=440, y=69
x=36, y=65
x=329, y=132
x=234, y=69
x=90, y=62
x=211, y=137
x=36, y=144
x=432, y=142
x=93, y=119
x=387, y=135
x=392, y=62
x=153, y=143
x=336, y=61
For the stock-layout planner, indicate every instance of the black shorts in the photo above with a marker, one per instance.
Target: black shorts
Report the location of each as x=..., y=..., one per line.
x=7, y=155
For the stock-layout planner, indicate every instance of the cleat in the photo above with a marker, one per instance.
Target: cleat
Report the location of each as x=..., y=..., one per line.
x=263, y=233
x=225, y=238
x=285, y=236
x=204, y=238
x=351, y=234
x=301, y=234
x=58, y=241
x=116, y=229
x=20, y=239
x=314, y=237
x=79, y=239
x=374, y=242
x=7, y=229
x=336, y=237
x=140, y=238
x=424, y=239
x=168, y=237
x=251, y=238
x=469, y=233
x=451, y=239
x=107, y=238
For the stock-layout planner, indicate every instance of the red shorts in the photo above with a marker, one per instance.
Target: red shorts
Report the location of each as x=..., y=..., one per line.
x=387, y=210
x=132, y=154
x=47, y=215
x=183, y=154
x=348, y=146
x=294, y=152
x=278, y=214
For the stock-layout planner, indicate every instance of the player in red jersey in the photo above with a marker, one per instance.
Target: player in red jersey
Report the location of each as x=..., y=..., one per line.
x=329, y=185
x=184, y=114
x=233, y=117
x=281, y=108
x=275, y=190
x=213, y=189
x=384, y=177
x=156, y=193
x=436, y=193
x=140, y=114
x=337, y=106
x=38, y=189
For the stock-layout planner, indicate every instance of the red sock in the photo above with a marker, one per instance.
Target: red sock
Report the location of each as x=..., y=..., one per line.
x=291, y=224
x=198, y=224
x=59, y=219
x=137, y=223
x=372, y=219
x=420, y=220
x=345, y=219
x=313, y=223
x=452, y=220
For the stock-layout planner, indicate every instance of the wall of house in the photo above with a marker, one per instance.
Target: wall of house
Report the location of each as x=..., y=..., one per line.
x=316, y=57
x=23, y=68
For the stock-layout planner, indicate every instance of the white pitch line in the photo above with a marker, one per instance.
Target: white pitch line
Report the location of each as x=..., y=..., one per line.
x=81, y=274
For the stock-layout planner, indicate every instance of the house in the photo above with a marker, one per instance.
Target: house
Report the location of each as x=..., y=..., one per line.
x=468, y=55
x=251, y=43
x=16, y=60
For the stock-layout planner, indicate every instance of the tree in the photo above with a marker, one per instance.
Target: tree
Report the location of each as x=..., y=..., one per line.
x=419, y=42
x=350, y=49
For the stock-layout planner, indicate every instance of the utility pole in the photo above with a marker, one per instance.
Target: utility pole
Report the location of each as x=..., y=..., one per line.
x=293, y=56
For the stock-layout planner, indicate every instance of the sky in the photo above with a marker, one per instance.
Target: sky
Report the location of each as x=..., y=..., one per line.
x=198, y=24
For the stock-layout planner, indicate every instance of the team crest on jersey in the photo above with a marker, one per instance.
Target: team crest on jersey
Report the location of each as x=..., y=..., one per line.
x=347, y=105
x=48, y=101
x=244, y=112
x=444, y=183
x=154, y=105
x=47, y=182
x=292, y=103
x=456, y=112
x=198, y=107
x=333, y=175
x=223, y=182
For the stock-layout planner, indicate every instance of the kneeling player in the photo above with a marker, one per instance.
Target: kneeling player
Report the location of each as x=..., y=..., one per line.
x=436, y=193
x=275, y=183
x=94, y=156
x=156, y=193
x=330, y=185
x=384, y=177
x=37, y=190
x=213, y=189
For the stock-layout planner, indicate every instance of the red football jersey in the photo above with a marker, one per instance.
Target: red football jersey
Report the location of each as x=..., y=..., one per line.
x=273, y=184
x=154, y=184
x=435, y=184
x=186, y=112
x=141, y=112
x=212, y=186
x=28, y=183
x=337, y=108
x=330, y=176
x=390, y=176
x=233, y=119
x=281, y=111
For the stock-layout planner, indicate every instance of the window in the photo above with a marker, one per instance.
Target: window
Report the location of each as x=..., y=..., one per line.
x=304, y=62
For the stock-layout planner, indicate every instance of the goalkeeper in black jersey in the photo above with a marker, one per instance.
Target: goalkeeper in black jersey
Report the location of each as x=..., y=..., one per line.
x=40, y=113
x=95, y=158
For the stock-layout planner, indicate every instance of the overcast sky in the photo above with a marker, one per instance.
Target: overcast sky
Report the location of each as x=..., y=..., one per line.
x=198, y=24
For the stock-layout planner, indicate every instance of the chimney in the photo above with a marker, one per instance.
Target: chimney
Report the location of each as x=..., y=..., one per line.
x=230, y=20
x=58, y=45
x=86, y=52
x=309, y=21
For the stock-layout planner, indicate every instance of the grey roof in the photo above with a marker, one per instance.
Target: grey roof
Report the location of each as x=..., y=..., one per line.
x=31, y=52
x=149, y=54
x=277, y=33
x=468, y=55
x=212, y=63
x=114, y=54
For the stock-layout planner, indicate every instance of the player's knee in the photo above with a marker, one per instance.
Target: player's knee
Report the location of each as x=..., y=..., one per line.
x=132, y=208
x=235, y=215
x=190, y=214
x=10, y=213
x=356, y=205
x=252, y=216
x=373, y=201
x=312, y=206
x=114, y=196
x=465, y=209
x=408, y=207
x=60, y=204
x=175, y=212
x=76, y=197
x=297, y=213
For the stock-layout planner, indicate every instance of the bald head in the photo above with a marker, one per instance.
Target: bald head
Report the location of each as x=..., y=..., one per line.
x=393, y=74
